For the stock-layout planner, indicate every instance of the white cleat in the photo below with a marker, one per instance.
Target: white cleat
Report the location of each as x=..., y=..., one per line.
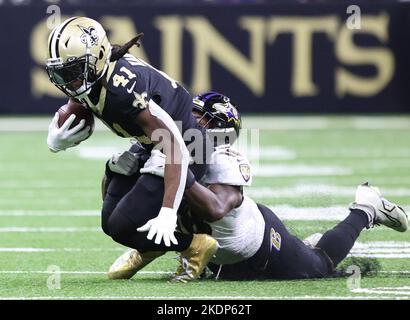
x=378, y=209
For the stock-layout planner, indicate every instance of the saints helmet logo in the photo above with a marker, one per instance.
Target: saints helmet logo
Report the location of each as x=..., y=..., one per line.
x=89, y=33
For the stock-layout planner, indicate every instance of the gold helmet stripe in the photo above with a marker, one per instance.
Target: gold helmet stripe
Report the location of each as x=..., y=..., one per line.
x=56, y=38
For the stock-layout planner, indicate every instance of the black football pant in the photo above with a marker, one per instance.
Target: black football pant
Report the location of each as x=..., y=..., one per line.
x=128, y=205
x=130, y=202
x=284, y=256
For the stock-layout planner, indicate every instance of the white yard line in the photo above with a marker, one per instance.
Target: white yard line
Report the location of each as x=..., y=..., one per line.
x=263, y=152
x=305, y=297
x=50, y=213
x=269, y=153
x=97, y=153
x=377, y=291
x=275, y=153
x=381, y=123
x=51, y=183
x=382, y=244
x=285, y=212
x=316, y=190
x=331, y=213
x=393, y=288
x=49, y=272
x=34, y=250
x=395, y=272
x=381, y=255
x=376, y=249
x=381, y=250
x=323, y=122
x=48, y=229
x=291, y=170
x=73, y=272
x=34, y=124
x=268, y=122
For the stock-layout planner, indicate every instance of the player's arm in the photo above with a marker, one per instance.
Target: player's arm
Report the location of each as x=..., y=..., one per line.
x=64, y=137
x=161, y=129
x=214, y=202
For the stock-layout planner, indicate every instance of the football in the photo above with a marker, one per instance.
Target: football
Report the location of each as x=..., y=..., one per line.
x=81, y=112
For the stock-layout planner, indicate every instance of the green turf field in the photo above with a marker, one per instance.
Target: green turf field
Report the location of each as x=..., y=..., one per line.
x=307, y=171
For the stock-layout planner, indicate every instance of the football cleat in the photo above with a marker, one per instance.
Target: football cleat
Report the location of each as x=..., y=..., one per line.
x=312, y=240
x=194, y=259
x=378, y=209
x=130, y=262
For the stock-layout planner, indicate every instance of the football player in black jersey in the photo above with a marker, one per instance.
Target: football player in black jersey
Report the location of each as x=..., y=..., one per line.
x=216, y=114
x=136, y=100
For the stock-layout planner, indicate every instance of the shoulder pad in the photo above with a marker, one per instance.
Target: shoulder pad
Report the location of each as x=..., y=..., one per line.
x=228, y=167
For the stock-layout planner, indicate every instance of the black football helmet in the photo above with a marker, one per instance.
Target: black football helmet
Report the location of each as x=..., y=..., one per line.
x=219, y=114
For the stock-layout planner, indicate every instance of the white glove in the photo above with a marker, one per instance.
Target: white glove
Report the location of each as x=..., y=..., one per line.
x=163, y=226
x=59, y=139
x=125, y=163
x=155, y=164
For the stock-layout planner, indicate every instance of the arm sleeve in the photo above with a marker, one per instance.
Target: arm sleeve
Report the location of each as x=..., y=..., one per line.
x=159, y=113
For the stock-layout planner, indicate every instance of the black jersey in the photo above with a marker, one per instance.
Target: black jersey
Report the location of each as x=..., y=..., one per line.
x=131, y=83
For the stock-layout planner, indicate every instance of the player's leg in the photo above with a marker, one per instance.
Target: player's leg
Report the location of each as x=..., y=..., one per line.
x=123, y=221
x=287, y=256
x=338, y=241
x=139, y=205
x=196, y=257
x=369, y=208
x=135, y=208
x=123, y=229
x=116, y=186
x=281, y=256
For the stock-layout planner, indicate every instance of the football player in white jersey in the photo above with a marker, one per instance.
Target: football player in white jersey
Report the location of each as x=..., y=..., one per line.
x=253, y=241
x=255, y=244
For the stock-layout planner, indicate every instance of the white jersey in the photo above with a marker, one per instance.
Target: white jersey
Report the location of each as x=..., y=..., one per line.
x=227, y=166
x=240, y=232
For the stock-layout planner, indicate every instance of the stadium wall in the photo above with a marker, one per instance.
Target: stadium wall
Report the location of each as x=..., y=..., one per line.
x=268, y=58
